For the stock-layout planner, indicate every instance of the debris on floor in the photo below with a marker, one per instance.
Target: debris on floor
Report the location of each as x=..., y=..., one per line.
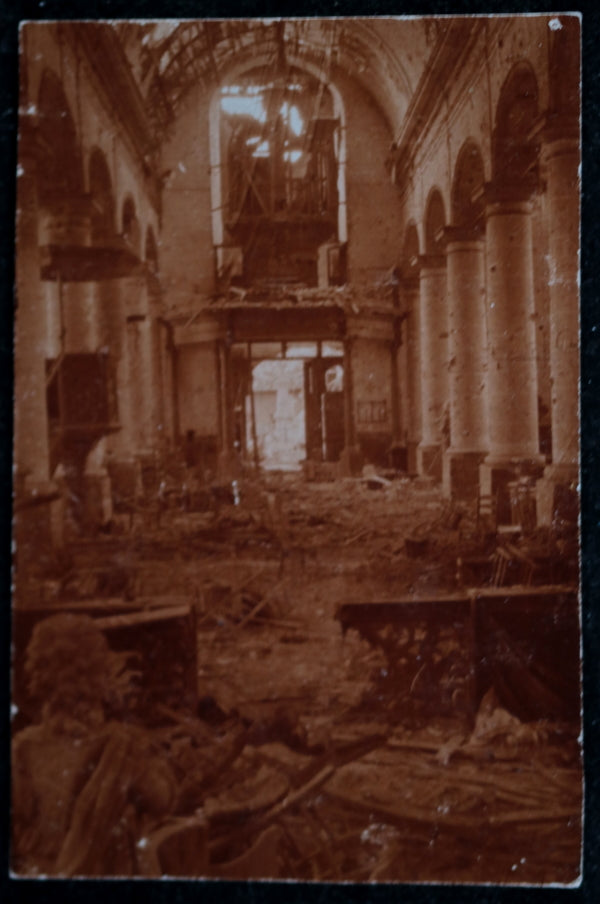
x=330, y=736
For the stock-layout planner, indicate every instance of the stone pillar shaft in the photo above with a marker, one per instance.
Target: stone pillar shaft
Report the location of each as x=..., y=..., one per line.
x=512, y=372
x=151, y=383
x=434, y=364
x=413, y=372
x=467, y=368
x=122, y=443
x=349, y=427
x=81, y=317
x=224, y=398
x=561, y=159
x=396, y=396
x=31, y=419
x=467, y=347
x=144, y=393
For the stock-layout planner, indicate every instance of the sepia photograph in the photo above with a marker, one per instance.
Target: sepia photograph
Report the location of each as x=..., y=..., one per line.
x=296, y=502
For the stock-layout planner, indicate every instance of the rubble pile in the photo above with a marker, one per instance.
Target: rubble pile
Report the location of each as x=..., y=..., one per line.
x=303, y=754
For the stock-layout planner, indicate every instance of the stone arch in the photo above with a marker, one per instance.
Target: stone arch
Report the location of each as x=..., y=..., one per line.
x=130, y=226
x=467, y=200
x=514, y=153
x=101, y=197
x=60, y=165
x=435, y=221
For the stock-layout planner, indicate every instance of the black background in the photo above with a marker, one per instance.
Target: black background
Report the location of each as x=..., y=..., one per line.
x=180, y=892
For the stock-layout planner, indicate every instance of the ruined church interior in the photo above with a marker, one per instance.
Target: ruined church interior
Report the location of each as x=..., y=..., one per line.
x=296, y=454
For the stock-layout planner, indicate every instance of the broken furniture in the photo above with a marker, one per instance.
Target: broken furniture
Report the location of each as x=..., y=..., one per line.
x=444, y=651
x=161, y=630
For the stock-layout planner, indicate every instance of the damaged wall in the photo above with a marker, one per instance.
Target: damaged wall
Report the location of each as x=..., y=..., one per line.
x=187, y=255
x=197, y=389
x=374, y=211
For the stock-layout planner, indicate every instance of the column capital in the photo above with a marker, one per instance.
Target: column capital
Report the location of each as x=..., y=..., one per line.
x=556, y=127
x=463, y=234
x=518, y=191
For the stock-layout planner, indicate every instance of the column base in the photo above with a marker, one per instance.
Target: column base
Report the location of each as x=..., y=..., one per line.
x=495, y=475
x=461, y=475
x=557, y=498
x=430, y=461
x=351, y=461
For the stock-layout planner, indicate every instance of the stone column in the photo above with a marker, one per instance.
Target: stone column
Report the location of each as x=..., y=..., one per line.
x=115, y=301
x=31, y=419
x=226, y=462
x=512, y=370
x=467, y=365
x=81, y=317
x=413, y=371
x=145, y=389
x=561, y=164
x=83, y=332
x=165, y=360
x=350, y=459
x=560, y=160
x=397, y=452
x=152, y=384
x=434, y=364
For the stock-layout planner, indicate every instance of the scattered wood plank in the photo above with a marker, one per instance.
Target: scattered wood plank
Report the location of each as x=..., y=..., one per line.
x=260, y=605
